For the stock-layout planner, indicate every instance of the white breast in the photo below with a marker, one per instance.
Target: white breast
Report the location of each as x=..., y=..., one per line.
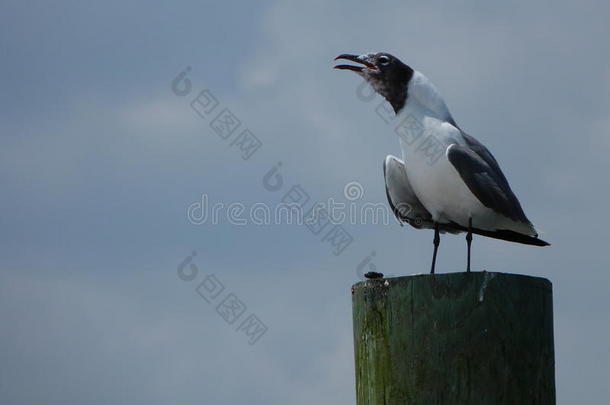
x=424, y=140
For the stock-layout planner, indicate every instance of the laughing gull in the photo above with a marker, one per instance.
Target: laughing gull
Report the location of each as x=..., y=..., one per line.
x=447, y=180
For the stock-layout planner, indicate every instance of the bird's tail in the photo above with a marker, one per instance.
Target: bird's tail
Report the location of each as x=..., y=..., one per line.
x=507, y=235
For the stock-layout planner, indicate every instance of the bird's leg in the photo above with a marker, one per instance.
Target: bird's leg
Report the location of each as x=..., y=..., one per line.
x=468, y=242
x=436, y=241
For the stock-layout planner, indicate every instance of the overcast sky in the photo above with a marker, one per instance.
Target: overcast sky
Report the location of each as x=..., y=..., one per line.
x=100, y=161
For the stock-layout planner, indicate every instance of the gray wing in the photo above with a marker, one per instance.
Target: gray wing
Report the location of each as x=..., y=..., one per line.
x=482, y=174
x=404, y=203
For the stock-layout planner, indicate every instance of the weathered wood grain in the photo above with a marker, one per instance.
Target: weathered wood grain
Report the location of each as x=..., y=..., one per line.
x=459, y=338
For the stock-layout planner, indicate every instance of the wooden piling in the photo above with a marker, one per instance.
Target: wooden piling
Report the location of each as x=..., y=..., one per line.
x=458, y=338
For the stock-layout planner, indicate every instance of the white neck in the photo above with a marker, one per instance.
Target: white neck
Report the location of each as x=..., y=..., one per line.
x=424, y=98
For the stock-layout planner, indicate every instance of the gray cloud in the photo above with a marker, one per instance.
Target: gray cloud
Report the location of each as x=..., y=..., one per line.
x=99, y=161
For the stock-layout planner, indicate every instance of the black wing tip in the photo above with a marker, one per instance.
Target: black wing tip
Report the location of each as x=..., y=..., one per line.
x=536, y=241
x=512, y=236
x=505, y=234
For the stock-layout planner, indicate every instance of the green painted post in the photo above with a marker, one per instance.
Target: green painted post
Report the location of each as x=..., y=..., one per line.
x=458, y=338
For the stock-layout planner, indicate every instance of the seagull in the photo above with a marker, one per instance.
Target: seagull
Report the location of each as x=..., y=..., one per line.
x=447, y=180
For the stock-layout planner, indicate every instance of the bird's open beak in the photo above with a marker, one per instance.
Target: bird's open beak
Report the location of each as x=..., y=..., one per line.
x=362, y=59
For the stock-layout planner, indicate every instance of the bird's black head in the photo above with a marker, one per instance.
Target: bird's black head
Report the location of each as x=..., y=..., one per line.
x=386, y=73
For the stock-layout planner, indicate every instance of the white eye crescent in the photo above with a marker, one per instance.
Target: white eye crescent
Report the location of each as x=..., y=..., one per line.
x=384, y=60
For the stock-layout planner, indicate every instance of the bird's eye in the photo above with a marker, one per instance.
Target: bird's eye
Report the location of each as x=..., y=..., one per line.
x=384, y=60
